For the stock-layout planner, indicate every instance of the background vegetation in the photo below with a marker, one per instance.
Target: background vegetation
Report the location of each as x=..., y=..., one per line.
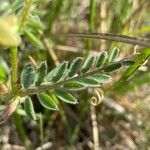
x=119, y=119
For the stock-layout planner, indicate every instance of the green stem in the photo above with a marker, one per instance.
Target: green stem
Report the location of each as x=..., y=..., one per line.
x=91, y=24
x=25, y=13
x=14, y=63
x=21, y=131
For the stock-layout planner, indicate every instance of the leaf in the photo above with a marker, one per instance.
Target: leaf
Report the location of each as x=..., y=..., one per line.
x=57, y=72
x=74, y=67
x=35, y=23
x=65, y=96
x=101, y=78
x=128, y=62
x=29, y=108
x=53, y=96
x=16, y=4
x=27, y=76
x=89, y=82
x=74, y=86
x=101, y=59
x=40, y=74
x=33, y=38
x=2, y=74
x=113, y=55
x=9, y=35
x=47, y=101
x=88, y=64
x=113, y=67
x=145, y=55
x=50, y=75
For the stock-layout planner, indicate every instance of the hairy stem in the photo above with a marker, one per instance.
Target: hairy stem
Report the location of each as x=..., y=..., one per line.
x=14, y=63
x=25, y=14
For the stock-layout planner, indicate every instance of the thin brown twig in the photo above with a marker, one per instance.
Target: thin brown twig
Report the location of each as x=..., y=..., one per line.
x=95, y=128
x=144, y=42
x=50, y=50
x=33, y=61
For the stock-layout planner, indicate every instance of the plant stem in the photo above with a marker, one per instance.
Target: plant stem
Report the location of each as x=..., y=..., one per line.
x=91, y=24
x=25, y=13
x=14, y=50
x=21, y=131
x=14, y=63
x=95, y=128
x=145, y=42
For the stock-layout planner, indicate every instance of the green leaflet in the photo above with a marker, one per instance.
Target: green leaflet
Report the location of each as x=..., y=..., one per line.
x=113, y=55
x=89, y=82
x=101, y=59
x=74, y=67
x=128, y=62
x=47, y=101
x=53, y=96
x=74, y=86
x=101, y=78
x=33, y=38
x=88, y=64
x=113, y=67
x=27, y=76
x=29, y=109
x=65, y=96
x=50, y=75
x=57, y=72
x=40, y=74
